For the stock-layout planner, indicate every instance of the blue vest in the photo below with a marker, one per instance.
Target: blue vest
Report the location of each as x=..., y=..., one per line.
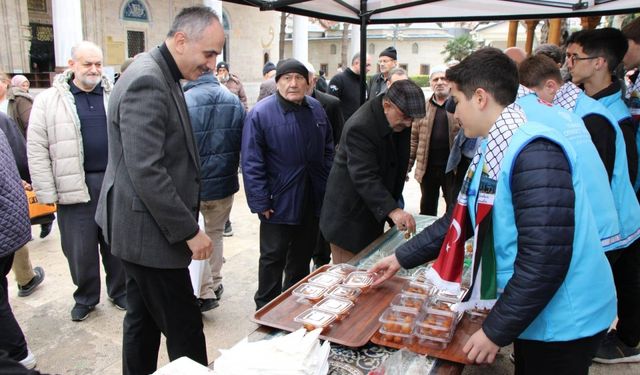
x=620, y=112
x=585, y=303
x=623, y=194
x=593, y=171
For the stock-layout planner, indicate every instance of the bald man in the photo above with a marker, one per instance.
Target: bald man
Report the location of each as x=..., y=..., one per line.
x=76, y=101
x=516, y=54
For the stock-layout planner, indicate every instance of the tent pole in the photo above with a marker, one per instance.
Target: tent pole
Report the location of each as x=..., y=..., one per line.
x=364, y=18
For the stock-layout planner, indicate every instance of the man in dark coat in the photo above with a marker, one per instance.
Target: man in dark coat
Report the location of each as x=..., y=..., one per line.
x=148, y=205
x=387, y=61
x=369, y=170
x=287, y=150
x=346, y=86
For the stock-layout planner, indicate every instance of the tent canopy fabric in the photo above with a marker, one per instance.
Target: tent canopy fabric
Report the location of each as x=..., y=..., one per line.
x=405, y=11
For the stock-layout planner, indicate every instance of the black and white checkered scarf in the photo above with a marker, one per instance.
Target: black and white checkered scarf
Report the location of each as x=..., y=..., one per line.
x=567, y=96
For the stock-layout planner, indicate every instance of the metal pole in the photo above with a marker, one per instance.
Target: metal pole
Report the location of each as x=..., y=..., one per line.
x=364, y=17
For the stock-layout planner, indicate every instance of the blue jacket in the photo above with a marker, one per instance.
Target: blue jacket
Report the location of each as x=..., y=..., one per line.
x=280, y=157
x=15, y=227
x=217, y=117
x=584, y=302
x=572, y=127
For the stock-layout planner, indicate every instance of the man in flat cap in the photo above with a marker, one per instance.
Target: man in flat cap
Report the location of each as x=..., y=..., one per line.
x=287, y=149
x=387, y=60
x=232, y=82
x=369, y=170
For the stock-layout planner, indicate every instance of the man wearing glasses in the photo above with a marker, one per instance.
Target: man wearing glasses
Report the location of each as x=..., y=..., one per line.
x=387, y=60
x=591, y=60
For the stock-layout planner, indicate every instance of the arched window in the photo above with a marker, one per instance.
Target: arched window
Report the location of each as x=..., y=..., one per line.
x=415, y=48
x=372, y=49
x=334, y=49
x=135, y=10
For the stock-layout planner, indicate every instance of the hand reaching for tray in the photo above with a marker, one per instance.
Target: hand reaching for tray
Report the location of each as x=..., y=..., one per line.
x=480, y=349
x=384, y=269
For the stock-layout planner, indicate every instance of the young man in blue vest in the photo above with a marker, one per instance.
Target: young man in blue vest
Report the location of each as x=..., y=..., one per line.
x=617, y=211
x=554, y=295
x=591, y=60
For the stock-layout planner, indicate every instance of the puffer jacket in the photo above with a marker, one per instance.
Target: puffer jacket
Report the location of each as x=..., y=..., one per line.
x=54, y=144
x=15, y=228
x=217, y=117
x=536, y=205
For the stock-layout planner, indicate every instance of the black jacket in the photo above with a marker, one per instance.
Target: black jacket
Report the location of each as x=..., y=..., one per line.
x=366, y=179
x=346, y=87
x=543, y=199
x=18, y=145
x=331, y=106
x=377, y=85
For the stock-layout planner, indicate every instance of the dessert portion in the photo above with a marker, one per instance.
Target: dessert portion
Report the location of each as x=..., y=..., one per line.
x=314, y=318
x=396, y=325
x=310, y=292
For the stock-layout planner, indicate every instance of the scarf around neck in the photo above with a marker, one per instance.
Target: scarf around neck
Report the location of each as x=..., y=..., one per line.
x=467, y=255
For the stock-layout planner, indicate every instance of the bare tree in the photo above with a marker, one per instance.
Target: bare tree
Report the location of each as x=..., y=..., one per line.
x=283, y=33
x=345, y=44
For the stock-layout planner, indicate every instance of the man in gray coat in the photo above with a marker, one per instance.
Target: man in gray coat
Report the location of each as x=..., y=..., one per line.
x=149, y=203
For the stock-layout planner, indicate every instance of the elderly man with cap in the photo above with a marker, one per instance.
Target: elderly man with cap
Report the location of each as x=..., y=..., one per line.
x=287, y=149
x=431, y=140
x=387, y=60
x=268, y=86
x=369, y=170
x=232, y=82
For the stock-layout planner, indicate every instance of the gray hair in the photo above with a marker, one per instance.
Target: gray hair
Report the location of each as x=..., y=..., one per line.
x=192, y=21
x=551, y=50
x=356, y=57
x=397, y=72
x=85, y=44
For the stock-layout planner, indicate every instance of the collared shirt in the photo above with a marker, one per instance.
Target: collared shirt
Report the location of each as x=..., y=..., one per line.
x=173, y=67
x=93, y=126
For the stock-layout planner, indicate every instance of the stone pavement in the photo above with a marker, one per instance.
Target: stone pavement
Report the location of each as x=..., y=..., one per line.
x=94, y=345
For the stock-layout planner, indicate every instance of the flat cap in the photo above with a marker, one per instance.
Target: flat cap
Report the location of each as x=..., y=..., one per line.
x=408, y=97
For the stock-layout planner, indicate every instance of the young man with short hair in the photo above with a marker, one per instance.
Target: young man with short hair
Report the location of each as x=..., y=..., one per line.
x=551, y=291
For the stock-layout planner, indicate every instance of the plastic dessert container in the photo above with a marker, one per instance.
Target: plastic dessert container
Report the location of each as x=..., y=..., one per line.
x=338, y=306
x=326, y=279
x=396, y=325
x=418, y=290
x=446, y=295
x=359, y=279
x=342, y=269
x=406, y=302
x=311, y=292
x=314, y=318
x=346, y=292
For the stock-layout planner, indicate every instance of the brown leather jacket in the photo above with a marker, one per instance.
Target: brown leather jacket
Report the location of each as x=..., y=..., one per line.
x=421, y=136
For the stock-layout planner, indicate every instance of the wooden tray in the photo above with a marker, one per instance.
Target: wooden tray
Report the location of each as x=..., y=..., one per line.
x=453, y=352
x=354, y=331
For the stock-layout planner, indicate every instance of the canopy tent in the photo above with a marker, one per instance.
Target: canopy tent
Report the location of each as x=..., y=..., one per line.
x=405, y=11
x=366, y=12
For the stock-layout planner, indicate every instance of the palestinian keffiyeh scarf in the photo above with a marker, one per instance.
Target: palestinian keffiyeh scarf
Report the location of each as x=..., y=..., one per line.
x=468, y=245
x=567, y=96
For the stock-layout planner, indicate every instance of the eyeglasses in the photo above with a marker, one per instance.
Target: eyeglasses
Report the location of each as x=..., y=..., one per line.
x=574, y=58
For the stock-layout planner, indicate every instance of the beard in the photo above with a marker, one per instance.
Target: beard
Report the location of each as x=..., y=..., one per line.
x=223, y=78
x=90, y=81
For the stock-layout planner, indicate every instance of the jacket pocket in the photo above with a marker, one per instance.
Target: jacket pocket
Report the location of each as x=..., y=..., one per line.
x=138, y=206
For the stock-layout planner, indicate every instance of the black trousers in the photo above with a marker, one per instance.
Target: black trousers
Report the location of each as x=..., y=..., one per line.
x=160, y=301
x=322, y=251
x=625, y=264
x=432, y=181
x=11, y=337
x=83, y=246
x=285, y=248
x=558, y=357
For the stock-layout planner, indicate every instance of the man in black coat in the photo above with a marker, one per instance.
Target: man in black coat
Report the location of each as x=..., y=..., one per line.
x=346, y=86
x=369, y=170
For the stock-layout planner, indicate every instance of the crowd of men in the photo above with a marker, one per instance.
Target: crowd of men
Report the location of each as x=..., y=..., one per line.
x=539, y=174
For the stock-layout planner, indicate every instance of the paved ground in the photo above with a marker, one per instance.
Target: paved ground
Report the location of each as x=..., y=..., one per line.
x=94, y=345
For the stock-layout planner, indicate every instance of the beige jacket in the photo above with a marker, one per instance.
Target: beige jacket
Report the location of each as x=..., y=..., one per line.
x=421, y=136
x=54, y=144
